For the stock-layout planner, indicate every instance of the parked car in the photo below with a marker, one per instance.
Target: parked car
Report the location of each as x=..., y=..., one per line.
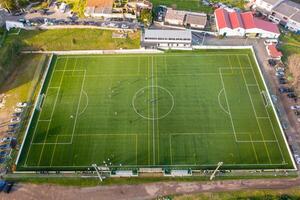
x=6, y=139
x=282, y=80
x=4, y=146
x=3, y=154
x=2, y=160
x=124, y=26
x=272, y=62
x=292, y=95
x=279, y=69
x=285, y=90
x=297, y=158
x=7, y=187
x=15, y=120
x=295, y=107
x=297, y=112
x=279, y=74
x=2, y=185
x=21, y=104
x=18, y=110
x=16, y=114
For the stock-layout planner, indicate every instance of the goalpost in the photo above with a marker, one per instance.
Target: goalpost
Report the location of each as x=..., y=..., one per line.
x=40, y=102
x=266, y=98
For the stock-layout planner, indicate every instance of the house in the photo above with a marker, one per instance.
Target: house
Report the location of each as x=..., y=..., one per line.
x=266, y=6
x=293, y=24
x=116, y=8
x=187, y=19
x=167, y=38
x=13, y=24
x=174, y=17
x=287, y=14
x=273, y=52
x=195, y=21
x=99, y=8
x=232, y=23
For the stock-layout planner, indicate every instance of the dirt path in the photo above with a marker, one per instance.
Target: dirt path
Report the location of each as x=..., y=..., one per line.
x=142, y=191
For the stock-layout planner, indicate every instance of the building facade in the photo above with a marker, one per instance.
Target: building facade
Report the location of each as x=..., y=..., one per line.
x=232, y=23
x=167, y=38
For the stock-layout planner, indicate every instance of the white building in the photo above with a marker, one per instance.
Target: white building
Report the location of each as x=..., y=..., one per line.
x=13, y=24
x=195, y=21
x=267, y=5
x=293, y=23
x=232, y=23
x=175, y=17
x=167, y=38
x=287, y=13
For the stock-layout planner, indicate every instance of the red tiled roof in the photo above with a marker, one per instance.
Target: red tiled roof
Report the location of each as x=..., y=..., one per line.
x=236, y=20
x=248, y=20
x=244, y=20
x=265, y=25
x=274, y=53
x=223, y=20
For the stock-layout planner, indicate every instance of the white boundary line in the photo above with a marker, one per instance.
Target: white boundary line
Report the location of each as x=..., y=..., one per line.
x=153, y=111
x=222, y=90
x=232, y=124
x=216, y=73
x=274, y=110
x=33, y=111
x=274, y=133
x=253, y=108
x=78, y=105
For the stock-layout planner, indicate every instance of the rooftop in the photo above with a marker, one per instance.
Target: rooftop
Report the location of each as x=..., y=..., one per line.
x=296, y=17
x=181, y=34
x=100, y=6
x=246, y=20
x=175, y=15
x=287, y=8
x=274, y=53
x=272, y=2
x=196, y=19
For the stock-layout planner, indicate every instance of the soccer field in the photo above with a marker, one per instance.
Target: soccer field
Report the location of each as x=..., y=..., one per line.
x=174, y=110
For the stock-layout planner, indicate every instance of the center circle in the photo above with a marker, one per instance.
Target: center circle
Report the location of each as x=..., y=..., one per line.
x=147, y=100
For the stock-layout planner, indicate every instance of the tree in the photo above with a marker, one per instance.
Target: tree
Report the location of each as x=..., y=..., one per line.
x=146, y=17
x=8, y=4
x=294, y=69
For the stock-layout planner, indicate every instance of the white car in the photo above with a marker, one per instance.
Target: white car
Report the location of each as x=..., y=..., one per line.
x=18, y=110
x=21, y=104
x=297, y=158
x=279, y=69
x=295, y=107
x=279, y=73
x=16, y=119
x=124, y=26
x=6, y=139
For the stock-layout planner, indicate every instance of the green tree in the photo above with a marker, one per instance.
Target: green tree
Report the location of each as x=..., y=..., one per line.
x=8, y=4
x=146, y=17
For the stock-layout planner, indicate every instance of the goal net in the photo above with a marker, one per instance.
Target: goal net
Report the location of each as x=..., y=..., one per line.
x=267, y=100
x=40, y=102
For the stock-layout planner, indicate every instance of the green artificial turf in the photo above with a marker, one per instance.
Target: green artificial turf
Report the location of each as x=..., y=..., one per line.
x=179, y=110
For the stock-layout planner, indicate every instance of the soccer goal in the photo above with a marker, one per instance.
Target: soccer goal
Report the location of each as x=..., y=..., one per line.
x=40, y=102
x=267, y=100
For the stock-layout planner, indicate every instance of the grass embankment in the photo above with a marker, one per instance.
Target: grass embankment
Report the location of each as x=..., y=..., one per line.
x=64, y=180
x=76, y=39
x=283, y=194
x=189, y=5
x=290, y=44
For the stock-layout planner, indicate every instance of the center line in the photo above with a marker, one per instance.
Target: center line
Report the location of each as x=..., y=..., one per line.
x=153, y=117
